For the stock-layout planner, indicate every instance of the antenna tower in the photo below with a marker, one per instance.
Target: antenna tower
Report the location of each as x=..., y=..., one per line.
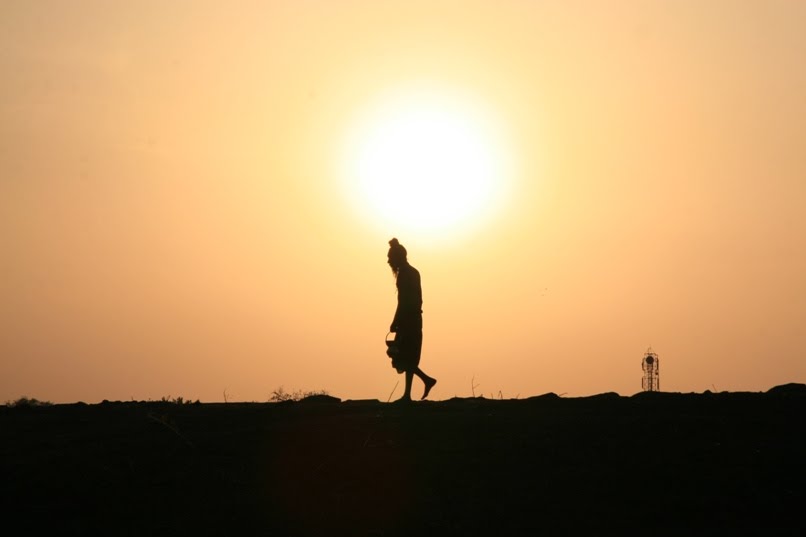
x=651, y=366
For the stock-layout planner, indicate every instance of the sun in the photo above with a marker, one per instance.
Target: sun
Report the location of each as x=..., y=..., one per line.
x=426, y=163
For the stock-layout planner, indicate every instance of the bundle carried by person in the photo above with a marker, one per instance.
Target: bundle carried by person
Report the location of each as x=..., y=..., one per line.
x=393, y=352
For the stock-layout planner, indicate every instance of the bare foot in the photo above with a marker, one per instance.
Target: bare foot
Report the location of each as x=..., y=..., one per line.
x=430, y=383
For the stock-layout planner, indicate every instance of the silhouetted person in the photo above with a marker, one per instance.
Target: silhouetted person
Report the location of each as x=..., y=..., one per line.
x=408, y=322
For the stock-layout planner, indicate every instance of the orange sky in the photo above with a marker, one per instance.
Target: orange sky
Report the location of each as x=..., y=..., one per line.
x=174, y=219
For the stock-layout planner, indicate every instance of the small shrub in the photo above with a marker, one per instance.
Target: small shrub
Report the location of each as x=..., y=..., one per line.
x=280, y=395
x=179, y=401
x=25, y=402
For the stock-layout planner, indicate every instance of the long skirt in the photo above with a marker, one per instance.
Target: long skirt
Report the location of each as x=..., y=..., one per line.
x=409, y=343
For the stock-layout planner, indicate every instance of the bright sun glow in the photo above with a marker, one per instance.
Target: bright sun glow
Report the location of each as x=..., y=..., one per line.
x=424, y=163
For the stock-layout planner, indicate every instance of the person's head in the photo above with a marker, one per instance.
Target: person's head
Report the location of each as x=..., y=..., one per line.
x=397, y=255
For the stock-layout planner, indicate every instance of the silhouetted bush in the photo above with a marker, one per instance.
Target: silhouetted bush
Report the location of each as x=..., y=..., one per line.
x=280, y=395
x=179, y=401
x=25, y=402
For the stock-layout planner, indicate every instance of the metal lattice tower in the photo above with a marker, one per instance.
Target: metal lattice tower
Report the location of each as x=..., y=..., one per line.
x=651, y=366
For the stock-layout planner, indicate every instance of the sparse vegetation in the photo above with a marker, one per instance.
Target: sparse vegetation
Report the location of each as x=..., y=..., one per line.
x=179, y=401
x=473, y=386
x=280, y=395
x=393, y=391
x=25, y=402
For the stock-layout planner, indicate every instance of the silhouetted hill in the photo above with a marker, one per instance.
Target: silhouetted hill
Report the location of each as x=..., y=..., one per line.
x=653, y=463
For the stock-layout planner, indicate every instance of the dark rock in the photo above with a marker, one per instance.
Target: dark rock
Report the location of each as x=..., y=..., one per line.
x=793, y=389
x=607, y=396
x=320, y=398
x=551, y=396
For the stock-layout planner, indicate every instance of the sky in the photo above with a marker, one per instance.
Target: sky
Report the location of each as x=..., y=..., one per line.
x=180, y=213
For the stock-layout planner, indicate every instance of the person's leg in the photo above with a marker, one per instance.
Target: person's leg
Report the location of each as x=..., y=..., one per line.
x=417, y=344
x=407, y=392
x=428, y=381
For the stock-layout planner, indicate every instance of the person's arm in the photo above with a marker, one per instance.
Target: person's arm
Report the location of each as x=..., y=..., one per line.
x=402, y=282
x=396, y=319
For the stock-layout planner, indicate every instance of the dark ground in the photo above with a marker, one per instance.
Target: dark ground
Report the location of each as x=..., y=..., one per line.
x=652, y=464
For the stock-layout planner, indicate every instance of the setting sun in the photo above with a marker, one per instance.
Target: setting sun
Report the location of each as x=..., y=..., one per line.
x=426, y=163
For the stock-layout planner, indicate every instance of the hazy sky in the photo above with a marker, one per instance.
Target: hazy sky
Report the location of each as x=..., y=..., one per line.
x=177, y=218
